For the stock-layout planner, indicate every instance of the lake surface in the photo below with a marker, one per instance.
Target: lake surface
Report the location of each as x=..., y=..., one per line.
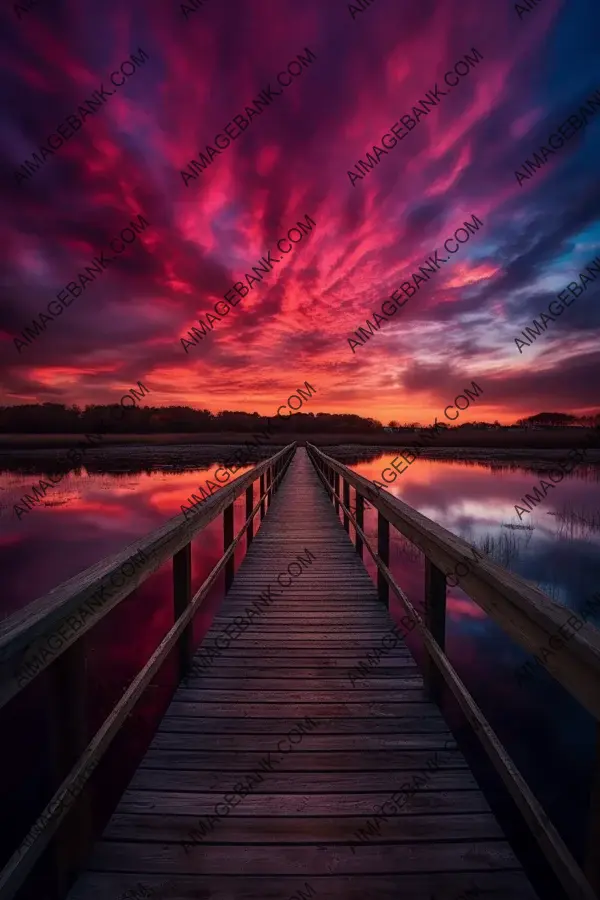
x=88, y=517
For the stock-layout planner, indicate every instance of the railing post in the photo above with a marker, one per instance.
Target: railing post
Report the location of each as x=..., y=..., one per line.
x=383, y=551
x=346, y=499
x=227, y=542
x=269, y=483
x=360, y=518
x=182, y=595
x=592, y=856
x=249, y=507
x=336, y=488
x=68, y=739
x=435, y=619
x=262, y=490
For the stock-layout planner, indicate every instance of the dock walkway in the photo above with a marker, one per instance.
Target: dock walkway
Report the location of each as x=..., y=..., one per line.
x=265, y=776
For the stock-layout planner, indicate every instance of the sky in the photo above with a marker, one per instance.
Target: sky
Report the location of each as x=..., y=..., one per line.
x=200, y=64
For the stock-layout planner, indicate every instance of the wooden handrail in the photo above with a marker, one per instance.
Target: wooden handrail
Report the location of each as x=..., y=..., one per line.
x=524, y=612
x=30, y=627
x=486, y=587
x=25, y=636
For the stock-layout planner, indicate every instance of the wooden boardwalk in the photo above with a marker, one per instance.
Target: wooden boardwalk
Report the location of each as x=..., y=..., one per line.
x=270, y=761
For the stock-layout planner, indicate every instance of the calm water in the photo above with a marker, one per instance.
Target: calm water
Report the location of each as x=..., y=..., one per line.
x=88, y=517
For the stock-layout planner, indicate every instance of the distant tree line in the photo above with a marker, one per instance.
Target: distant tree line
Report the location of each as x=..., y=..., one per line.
x=55, y=418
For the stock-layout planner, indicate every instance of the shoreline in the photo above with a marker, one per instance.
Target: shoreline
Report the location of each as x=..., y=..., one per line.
x=463, y=439
x=130, y=458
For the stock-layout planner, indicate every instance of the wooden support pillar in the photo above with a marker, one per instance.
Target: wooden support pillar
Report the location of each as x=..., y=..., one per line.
x=435, y=619
x=68, y=733
x=227, y=542
x=336, y=488
x=182, y=595
x=249, y=507
x=262, y=491
x=360, y=520
x=383, y=551
x=269, y=486
x=592, y=852
x=346, y=499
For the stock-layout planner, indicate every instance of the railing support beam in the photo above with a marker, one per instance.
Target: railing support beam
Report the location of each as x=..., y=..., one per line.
x=249, y=508
x=435, y=619
x=227, y=542
x=182, y=595
x=346, y=499
x=262, y=491
x=383, y=551
x=336, y=488
x=68, y=739
x=592, y=854
x=360, y=520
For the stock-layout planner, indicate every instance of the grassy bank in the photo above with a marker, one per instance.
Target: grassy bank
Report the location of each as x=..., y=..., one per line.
x=549, y=439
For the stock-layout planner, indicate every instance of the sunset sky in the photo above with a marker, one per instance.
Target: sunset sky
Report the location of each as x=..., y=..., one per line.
x=204, y=67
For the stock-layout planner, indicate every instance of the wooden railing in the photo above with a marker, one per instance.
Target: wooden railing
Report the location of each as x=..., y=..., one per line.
x=44, y=635
x=525, y=613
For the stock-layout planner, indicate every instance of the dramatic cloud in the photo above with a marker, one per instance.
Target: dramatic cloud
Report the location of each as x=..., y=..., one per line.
x=356, y=75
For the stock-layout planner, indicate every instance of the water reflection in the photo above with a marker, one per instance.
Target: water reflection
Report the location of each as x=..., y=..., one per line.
x=95, y=512
x=556, y=547
x=85, y=518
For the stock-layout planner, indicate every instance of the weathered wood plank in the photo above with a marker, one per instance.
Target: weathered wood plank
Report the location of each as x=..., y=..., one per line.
x=303, y=782
x=302, y=830
x=300, y=760
x=315, y=684
x=360, y=694
x=497, y=885
x=195, y=803
x=332, y=743
x=406, y=724
x=295, y=659
x=235, y=654
x=298, y=711
x=324, y=668
x=207, y=859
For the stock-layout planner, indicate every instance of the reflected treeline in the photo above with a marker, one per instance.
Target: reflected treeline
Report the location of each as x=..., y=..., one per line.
x=137, y=459
x=539, y=467
x=129, y=460
x=352, y=456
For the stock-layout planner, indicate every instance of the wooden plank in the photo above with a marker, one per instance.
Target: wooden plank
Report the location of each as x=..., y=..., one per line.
x=363, y=642
x=333, y=743
x=196, y=803
x=301, y=760
x=406, y=724
x=302, y=830
x=298, y=669
x=302, y=782
x=336, y=656
x=206, y=859
x=299, y=711
x=496, y=885
x=236, y=680
x=288, y=696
